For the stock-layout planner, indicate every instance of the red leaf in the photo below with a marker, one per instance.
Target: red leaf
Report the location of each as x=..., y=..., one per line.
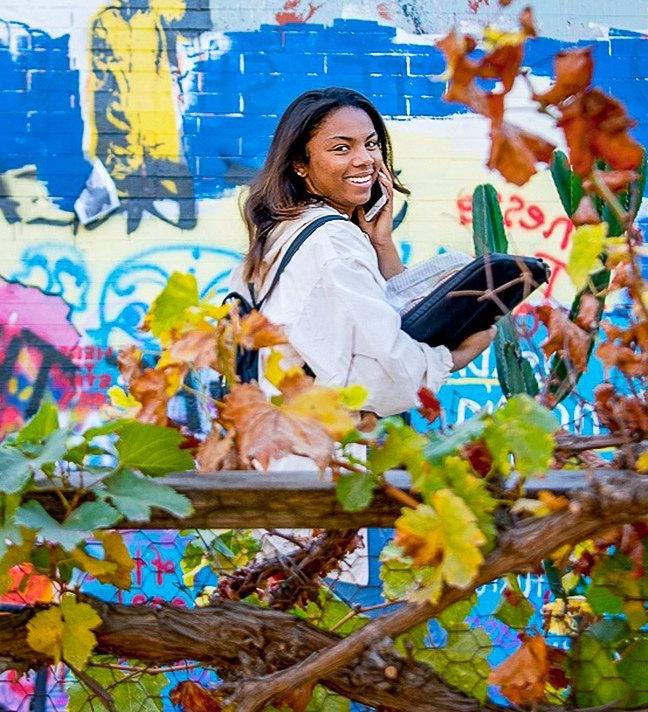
x=479, y=457
x=430, y=407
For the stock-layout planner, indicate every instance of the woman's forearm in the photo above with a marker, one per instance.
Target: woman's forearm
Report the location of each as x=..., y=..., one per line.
x=389, y=261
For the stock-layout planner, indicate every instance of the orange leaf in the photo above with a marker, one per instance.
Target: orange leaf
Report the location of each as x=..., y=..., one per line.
x=257, y=331
x=515, y=152
x=502, y=63
x=153, y=389
x=197, y=348
x=217, y=452
x=620, y=413
x=588, y=312
x=624, y=358
x=565, y=337
x=574, y=71
x=527, y=22
x=462, y=71
x=522, y=676
x=192, y=697
x=595, y=126
x=554, y=503
x=264, y=432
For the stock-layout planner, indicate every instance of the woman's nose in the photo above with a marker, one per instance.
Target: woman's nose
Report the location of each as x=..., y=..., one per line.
x=362, y=157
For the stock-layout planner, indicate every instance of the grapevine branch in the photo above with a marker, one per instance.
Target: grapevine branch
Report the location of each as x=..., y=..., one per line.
x=261, y=653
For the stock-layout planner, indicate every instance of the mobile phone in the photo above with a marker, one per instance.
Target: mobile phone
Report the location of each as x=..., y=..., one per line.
x=376, y=201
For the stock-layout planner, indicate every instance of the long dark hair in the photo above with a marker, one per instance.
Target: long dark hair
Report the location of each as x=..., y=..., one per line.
x=278, y=193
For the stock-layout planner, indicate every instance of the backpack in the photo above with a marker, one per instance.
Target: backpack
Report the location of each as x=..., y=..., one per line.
x=247, y=362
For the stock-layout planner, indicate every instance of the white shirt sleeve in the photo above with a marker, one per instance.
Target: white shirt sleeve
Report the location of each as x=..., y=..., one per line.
x=348, y=333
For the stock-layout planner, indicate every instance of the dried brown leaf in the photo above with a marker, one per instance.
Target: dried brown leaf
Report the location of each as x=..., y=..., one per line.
x=128, y=361
x=502, y=63
x=588, y=312
x=574, y=71
x=527, y=22
x=217, y=452
x=615, y=180
x=256, y=331
x=196, y=348
x=515, y=152
x=522, y=676
x=596, y=126
x=192, y=697
x=565, y=337
x=263, y=432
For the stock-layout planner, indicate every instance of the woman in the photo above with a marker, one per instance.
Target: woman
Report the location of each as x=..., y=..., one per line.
x=329, y=148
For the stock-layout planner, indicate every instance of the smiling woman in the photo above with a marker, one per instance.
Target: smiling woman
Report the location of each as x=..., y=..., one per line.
x=330, y=149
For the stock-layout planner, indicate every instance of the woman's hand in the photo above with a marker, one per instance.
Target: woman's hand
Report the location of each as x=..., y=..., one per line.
x=379, y=230
x=471, y=347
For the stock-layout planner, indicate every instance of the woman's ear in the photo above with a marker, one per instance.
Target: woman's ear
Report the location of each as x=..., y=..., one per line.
x=300, y=170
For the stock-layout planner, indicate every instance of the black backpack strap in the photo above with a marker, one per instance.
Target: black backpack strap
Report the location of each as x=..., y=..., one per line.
x=301, y=238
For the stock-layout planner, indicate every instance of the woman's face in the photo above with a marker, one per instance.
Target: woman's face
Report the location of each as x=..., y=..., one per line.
x=344, y=158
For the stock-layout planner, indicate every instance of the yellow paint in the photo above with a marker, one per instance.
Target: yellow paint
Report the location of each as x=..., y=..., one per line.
x=130, y=63
x=12, y=385
x=26, y=393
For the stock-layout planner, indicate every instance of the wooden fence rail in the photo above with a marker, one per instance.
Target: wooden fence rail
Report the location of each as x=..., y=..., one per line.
x=269, y=500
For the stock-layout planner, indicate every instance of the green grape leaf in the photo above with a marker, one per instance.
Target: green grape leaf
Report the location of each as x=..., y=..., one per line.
x=168, y=310
x=328, y=612
x=457, y=612
x=594, y=675
x=614, y=589
x=463, y=661
x=141, y=693
x=442, y=446
x=587, y=245
x=633, y=668
x=610, y=631
x=134, y=495
x=514, y=609
x=152, y=449
x=15, y=470
x=402, y=446
x=75, y=529
x=524, y=429
x=42, y=424
x=110, y=428
x=324, y=700
x=19, y=551
x=64, y=632
x=355, y=490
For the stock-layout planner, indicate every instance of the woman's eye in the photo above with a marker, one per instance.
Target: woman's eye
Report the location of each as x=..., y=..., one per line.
x=372, y=144
x=341, y=148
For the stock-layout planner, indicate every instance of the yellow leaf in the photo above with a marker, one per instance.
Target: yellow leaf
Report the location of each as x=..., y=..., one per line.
x=587, y=244
x=353, y=397
x=64, y=632
x=323, y=405
x=494, y=37
x=116, y=566
x=215, y=312
x=120, y=399
x=78, y=639
x=45, y=633
x=274, y=371
x=444, y=534
x=642, y=462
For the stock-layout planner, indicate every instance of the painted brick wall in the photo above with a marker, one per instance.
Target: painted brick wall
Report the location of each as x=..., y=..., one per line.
x=179, y=99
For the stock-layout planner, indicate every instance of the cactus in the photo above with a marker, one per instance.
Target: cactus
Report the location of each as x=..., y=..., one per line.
x=562, y=379
x=514, y=372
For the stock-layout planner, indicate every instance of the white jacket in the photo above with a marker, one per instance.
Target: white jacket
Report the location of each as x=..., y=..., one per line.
x=331, y=301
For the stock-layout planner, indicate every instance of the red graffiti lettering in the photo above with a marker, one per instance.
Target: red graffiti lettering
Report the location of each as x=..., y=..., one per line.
x=568, y=227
